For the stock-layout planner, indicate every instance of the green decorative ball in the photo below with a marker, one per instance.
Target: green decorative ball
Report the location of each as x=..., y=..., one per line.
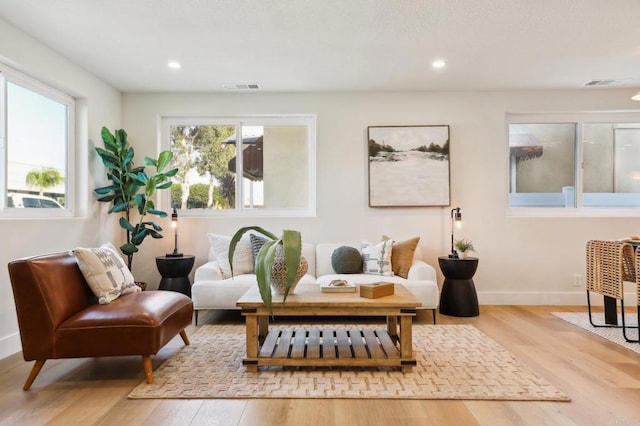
x=346, y=260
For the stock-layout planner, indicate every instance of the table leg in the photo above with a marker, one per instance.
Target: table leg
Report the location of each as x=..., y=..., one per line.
x=252, y=342
x=263, y=327
x=392, y=327
x=406, y=341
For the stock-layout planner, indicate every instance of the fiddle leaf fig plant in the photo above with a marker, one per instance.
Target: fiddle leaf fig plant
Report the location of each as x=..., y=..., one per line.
x=132, y=188
x=291, y=242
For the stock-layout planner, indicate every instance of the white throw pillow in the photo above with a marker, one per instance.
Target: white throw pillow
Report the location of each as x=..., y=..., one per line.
x=105, y=272
x=242, y=258
x=376, y=259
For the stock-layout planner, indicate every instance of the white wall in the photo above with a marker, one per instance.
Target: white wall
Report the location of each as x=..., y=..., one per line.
x=98, y=105
x=522, y=260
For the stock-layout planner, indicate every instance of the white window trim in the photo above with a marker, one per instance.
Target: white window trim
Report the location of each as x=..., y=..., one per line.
x=306, y=120
x=586, y=117
x=9, y=74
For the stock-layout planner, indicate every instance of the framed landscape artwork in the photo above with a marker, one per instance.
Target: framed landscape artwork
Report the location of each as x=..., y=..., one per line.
x=408, y=166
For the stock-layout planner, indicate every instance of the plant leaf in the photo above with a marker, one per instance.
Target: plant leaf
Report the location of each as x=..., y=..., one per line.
x=171, y=173
x=150, y=161
x=108, y=139
x=165, y=185
x=126, y=225
x=128, y=248
x=119, y=208
x=154, y=234
x=292, y=244
x=105, y=189
x=264, y=265
x=157, y=212
x=106, y=198
x=164, y=159
x=236, y=238
x=128, y=157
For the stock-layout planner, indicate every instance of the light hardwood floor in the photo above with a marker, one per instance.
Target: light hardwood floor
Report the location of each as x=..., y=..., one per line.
x=603, y=380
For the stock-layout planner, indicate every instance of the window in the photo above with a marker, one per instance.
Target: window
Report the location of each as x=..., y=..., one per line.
x=252, y=165
x=36, y=127
x=591, y=160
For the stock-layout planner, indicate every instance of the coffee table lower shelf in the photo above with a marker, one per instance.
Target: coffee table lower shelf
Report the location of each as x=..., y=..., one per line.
x=328, y=347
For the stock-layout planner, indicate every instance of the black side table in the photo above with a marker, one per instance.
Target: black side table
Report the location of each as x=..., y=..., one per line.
x=175, y=273
x=458, y=297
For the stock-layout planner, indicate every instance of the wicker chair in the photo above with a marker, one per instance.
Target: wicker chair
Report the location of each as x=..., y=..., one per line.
x=609, y=264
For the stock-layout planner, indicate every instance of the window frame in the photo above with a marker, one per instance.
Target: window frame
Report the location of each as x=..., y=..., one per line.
x=306, y=120
x=578, y=118
x=7, y=75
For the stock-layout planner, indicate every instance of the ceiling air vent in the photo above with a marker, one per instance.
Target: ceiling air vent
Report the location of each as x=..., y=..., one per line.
x=252, y=86
x=600, y=83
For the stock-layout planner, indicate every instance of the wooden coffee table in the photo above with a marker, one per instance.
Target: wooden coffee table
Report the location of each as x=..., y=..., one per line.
x=330, y=345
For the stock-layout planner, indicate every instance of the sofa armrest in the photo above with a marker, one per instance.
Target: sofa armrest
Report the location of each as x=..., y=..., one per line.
x=421, y=271
x=210, y=271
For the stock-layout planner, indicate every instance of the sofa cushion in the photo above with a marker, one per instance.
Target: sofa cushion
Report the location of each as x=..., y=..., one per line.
x=105, y=272
x=346, y=260
x=376, y=258
x=242, y=258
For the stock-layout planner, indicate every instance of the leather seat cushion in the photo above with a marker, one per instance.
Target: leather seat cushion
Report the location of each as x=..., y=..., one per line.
x=133, y=324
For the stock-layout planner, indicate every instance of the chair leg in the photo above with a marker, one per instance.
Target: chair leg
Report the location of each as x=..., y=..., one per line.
x=148, y=368
x=185, y=338
x=196, y=315
x=433, y=311
x=591, y=319
x=34, y=373
x=624, y=327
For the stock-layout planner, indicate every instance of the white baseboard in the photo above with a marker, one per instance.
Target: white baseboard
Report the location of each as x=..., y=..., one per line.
x=10, y=345
x=546, y=298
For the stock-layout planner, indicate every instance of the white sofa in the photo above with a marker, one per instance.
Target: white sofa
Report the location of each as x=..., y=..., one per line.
x=211, y=290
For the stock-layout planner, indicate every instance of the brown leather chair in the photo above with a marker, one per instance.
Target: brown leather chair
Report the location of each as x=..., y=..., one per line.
x=59, y=316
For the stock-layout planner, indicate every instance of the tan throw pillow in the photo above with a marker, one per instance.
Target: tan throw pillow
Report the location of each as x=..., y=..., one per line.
x=105, y=272
x=376, y=258
x=402, y=256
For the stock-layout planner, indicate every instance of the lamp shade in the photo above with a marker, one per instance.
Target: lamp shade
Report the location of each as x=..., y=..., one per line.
x=174, y=225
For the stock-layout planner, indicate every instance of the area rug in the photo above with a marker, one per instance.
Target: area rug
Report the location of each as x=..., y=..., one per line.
x=581, y=319
x=453, y=362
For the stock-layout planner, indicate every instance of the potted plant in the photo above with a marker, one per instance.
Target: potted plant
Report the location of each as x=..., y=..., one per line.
x=463, y=246
x=132, y=188
x=283, y=251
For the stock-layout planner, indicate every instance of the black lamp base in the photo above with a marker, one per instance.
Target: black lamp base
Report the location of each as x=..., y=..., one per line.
x=453, y=255
x=174, y=254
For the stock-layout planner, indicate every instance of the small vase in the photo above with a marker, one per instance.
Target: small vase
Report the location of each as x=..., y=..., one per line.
x=279, y=272
x=463, y=254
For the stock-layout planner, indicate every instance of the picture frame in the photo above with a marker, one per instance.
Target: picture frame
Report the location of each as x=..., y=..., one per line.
x=408, y=166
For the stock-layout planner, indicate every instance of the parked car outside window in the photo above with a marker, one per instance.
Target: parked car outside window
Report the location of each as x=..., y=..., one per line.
x=32, y=201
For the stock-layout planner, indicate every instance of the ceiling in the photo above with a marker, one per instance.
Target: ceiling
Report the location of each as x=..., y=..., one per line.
x=340, y=45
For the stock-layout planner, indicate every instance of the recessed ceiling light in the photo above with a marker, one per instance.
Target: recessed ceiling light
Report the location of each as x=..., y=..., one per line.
x=438, y=63
x=174, y=65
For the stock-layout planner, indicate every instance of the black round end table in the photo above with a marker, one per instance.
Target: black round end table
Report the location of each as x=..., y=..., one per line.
x=175, y=273
x=458, y=297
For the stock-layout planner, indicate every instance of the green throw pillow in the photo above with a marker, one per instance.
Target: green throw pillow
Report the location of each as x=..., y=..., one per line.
x=346, y=260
